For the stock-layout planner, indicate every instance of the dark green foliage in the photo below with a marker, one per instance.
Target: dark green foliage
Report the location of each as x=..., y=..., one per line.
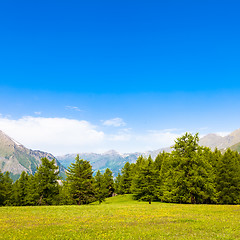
x=39, y=189
x=32, y=195
x=190, y=182
x=65, y=198
x=190, y=177
x=108, y=179
x=20, y=190
x=5, y=188
x=145, y=181
x=228, y=178
x=100, y=187
x=162, y=164
x=126, y=179
x=44, y=187
x=47, y=177
x=190, y=174
x=117, y=186
x=186, y=145
x=2, y=192
x=160, y=159
x=80, y=181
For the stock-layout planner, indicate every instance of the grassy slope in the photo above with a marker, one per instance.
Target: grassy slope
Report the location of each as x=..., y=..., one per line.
x=236, y=147
x=121, y=218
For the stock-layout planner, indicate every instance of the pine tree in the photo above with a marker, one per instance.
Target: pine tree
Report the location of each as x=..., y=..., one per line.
x=108, y=179
x=162, y=164
x=5, y=188
x=139, y=163
x=159, y=160
x=145, y=182
x=126, y=179
x=186, y=146
x=189, y=179
x=65, y=197
x=47, y=177
x=20, y=190
x=2, y=189
x=100, y=187
x=117, y=185
x=228, y=178
x=80, y=180
x=32, y=194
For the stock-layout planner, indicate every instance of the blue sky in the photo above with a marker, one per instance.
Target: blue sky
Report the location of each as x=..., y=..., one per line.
x=132, y=74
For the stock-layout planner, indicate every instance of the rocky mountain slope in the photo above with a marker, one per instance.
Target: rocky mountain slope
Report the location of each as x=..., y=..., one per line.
x=115, y=161
x=111, y=159
x=15, y=158
x=214, y=140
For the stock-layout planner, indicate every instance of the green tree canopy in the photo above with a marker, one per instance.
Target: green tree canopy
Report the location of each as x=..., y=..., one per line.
x=190, y=177
x=108, y=179
x=5, y=188
x=145, y=182
x=80, y=180
x=47, y=177
x=20, y=190
x=100, y=187
x=186, y=146
x=228, y=178
x=126, y=179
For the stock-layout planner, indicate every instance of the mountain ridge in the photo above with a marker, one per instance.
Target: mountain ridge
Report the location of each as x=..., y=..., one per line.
x=213, y=140
x=115, y=161
x=16, y=158
x=110, y=159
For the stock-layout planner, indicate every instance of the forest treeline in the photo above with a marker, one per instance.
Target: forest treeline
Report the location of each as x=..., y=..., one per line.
x=46, y=188
x=189, y=174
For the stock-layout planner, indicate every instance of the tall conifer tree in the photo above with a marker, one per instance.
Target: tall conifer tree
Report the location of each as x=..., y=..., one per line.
x=108, y=179
x=47, y=177
x=228, y=178
x=100, y=187
x=80, y=180
x=145, y=182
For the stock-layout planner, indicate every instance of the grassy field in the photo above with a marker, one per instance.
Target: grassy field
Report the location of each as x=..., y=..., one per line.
x=121, y=218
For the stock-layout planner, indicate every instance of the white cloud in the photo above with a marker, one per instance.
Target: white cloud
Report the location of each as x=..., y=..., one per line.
x=119, y=137
x=171, y=130
x=129, y=141
x=114, y=122
x=73, y=108
x=61, y=136
x=38, y=113
x=55, y=135
x=156, y=139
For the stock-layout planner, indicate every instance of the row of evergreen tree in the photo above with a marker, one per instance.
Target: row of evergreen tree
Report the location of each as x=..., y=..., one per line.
x=189, y=174
x=46, y=188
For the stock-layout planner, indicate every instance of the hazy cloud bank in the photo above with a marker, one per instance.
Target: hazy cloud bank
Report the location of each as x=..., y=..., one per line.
x=62, y=135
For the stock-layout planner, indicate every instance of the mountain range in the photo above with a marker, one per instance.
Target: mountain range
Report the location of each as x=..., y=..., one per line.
x=115, y=161
x=15, y=158
x=110, y=159
x=215, y=141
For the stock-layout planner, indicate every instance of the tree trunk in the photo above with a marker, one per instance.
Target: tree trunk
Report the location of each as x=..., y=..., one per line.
x=193, y=200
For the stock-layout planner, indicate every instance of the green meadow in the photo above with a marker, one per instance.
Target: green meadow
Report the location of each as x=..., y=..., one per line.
x=121, y=217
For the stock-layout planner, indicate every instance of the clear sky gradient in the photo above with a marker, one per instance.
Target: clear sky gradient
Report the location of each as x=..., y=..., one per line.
x=132, y=74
